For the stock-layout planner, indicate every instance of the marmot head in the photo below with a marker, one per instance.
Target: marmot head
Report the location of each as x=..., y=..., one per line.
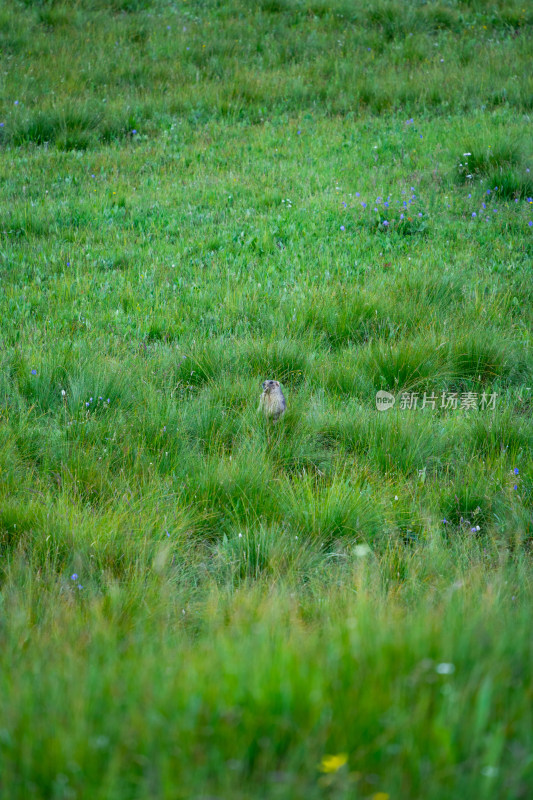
x=270, y=386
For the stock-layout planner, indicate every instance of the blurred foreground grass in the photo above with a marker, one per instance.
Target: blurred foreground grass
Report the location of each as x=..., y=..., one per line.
x=413, y=664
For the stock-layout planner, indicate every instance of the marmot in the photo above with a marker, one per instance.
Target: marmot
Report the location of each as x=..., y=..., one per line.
x=272, y=401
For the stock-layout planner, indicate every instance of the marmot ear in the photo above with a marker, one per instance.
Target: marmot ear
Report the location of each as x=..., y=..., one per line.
x=263, y=385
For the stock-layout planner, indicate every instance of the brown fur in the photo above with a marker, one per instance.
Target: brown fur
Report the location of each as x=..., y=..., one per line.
x=272, y=401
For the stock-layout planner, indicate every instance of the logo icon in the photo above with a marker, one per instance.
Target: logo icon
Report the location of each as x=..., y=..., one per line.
x=384, y=400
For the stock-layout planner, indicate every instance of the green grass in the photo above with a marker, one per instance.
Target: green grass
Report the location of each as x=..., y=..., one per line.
x=196, y=603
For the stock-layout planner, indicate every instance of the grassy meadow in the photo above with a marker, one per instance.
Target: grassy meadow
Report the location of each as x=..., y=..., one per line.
x=196, y=603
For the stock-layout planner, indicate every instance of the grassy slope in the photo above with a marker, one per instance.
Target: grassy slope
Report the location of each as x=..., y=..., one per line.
x=181, y=217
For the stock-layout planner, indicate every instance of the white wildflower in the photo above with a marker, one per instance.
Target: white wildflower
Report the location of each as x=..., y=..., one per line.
x=445, y=668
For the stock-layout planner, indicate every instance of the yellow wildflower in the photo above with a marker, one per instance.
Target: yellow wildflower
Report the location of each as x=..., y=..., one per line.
x=333, y=763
